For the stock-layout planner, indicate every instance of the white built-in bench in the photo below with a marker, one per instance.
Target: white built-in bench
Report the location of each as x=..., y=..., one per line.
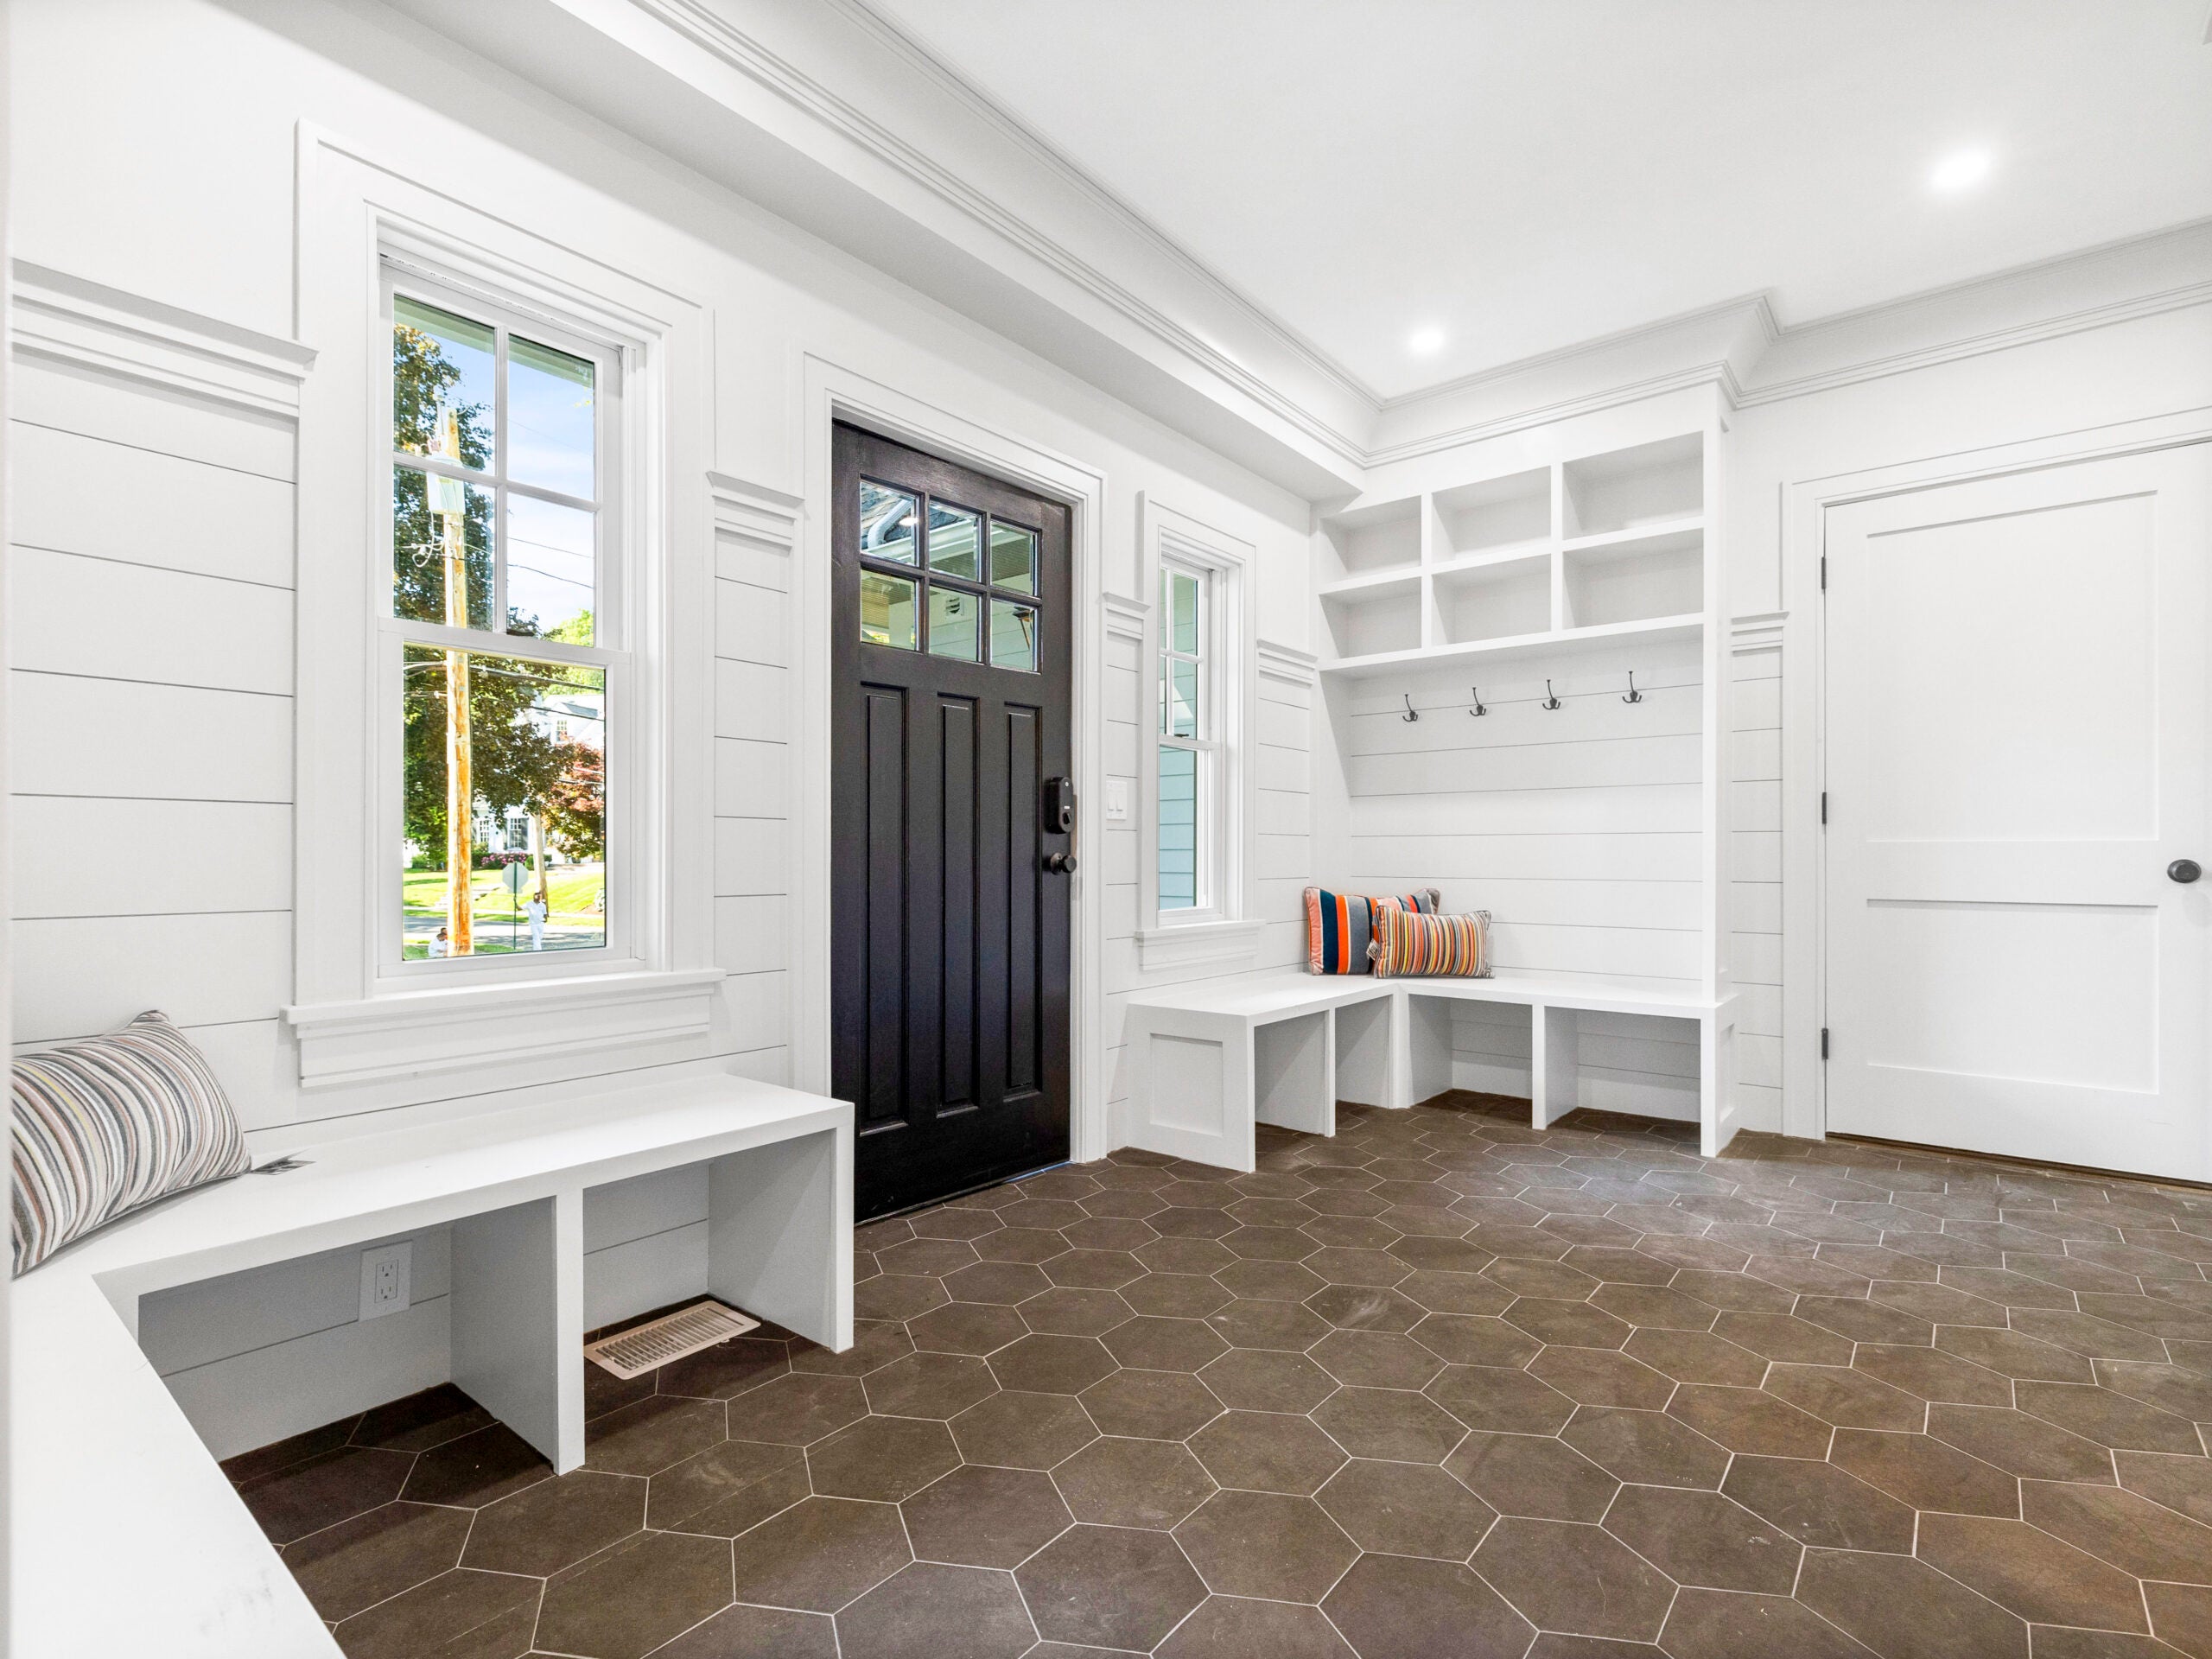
x=1208, y=1061
x=128, y=1540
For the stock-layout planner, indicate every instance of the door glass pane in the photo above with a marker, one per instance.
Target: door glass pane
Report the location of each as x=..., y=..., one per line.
x=887, y=610
x=440, y=549
x=1014, y=556
x=887, y=522
x=549, y=417
x=442, y=369
x=956, y=542
x=1178, y=829
x=1182, y=607
x=549, y=565
x=1180, y=688
x=954, y=617
x=1014, y=637
x=512, y=797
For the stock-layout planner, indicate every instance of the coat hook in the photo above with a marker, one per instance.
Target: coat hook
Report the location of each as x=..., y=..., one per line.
x=1477, y=711
x=1551, y=697
x=1412, y=713
x=1634, y=695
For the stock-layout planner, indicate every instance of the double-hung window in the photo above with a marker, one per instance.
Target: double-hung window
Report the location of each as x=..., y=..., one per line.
x=1189, y=742
x=504, y=635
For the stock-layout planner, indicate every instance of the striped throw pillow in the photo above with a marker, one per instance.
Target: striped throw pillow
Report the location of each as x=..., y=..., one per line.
x=1406, y=945
x=106, y=1126
x=1340, y=926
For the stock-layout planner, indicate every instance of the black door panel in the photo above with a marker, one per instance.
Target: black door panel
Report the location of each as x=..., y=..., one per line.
x=950, y=712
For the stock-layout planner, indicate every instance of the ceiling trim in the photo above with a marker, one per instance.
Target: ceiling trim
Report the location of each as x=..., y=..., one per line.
x=1307, y=398
x=1040, y=149
x=696, y=23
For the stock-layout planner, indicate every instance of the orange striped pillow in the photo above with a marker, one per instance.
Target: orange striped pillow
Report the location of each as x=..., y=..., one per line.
x=1407, y=944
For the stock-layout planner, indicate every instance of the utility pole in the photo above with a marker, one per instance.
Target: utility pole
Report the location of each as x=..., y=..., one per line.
x=452, y=498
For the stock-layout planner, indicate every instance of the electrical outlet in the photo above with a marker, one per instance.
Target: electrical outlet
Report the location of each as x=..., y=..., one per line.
x=385, y=1279
x=1117, y=800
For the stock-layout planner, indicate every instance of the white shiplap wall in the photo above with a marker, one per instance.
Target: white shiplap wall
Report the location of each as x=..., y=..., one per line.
x=1277, y=751
x=1754, y=912
x=151, y=721
x=1576, y=829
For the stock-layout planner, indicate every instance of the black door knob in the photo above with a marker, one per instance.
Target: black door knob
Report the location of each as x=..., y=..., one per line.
x=2184, y=869
x=1060, y=863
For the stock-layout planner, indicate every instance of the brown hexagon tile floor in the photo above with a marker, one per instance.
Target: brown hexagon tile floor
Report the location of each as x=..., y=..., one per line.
x=1441, y=1385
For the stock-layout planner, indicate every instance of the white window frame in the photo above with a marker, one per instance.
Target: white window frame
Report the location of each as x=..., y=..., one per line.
x=1209, y=844
x=1220, y=930
x=362, y=1038
x=614, y=607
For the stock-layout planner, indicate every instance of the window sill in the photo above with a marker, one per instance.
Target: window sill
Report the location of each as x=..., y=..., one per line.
x=457, y=1028
x=1197, y=943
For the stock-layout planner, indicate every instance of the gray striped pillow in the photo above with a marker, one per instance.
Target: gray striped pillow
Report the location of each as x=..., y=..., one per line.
x=106, y=1126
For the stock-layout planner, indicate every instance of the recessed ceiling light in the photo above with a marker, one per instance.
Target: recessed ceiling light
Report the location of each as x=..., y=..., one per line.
x=1959, y=170
x=1424, y=342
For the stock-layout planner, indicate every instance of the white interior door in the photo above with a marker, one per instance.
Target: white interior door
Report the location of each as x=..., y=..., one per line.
x=2016, y=752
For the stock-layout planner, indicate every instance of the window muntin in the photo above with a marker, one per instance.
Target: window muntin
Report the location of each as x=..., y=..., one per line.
x=950, y=590
x=1188, y=740
x=502, y=551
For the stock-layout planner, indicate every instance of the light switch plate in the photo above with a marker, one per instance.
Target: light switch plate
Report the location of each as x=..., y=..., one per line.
x=1117, y=800
x=385, y=1275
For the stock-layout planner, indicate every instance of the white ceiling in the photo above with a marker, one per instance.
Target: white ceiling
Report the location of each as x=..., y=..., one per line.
x=1522, y=175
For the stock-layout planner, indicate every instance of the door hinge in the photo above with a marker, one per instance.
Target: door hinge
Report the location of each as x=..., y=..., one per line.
x=1824, y=1042
x=1824, y=573
x=1824, y=806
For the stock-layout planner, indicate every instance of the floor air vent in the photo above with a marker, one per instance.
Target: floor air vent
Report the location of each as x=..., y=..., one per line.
x=647, y=1347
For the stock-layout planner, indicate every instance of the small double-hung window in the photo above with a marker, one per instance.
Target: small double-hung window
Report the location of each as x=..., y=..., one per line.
x=508, y=633
x=1189, y=742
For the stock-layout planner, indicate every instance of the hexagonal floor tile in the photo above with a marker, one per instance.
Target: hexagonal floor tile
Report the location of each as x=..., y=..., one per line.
x=928, y=1608
x=1267, y=1453
x=885, y=1459
x=1151, y=1404
x=1118, y=1482
x=979, y=1516
x=1405, y=1508
x=1110, y=1587
x=1265, y=1544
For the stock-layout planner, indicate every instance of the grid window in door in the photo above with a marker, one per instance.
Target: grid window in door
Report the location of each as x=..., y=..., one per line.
x=502, y=623
x=1188, y=739
x=947, y=580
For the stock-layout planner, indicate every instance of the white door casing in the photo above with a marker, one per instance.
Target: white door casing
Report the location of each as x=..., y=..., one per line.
x=2015, y=700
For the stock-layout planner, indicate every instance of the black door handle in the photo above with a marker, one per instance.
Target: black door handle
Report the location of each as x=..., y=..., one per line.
x=2184, y=869
x=1060, y=863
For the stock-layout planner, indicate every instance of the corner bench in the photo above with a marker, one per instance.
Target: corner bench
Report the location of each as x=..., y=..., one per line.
x=109, y=1482
x=1210, y=1061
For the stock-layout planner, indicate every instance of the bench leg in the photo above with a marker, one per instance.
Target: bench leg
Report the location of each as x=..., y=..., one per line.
x=779, y=1235
x=1191, y=1092
x=518, y=1320
x=1553, y=1064
x=1295, y=1073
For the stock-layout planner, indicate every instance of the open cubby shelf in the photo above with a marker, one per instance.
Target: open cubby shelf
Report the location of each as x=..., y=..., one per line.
x=1583, y=551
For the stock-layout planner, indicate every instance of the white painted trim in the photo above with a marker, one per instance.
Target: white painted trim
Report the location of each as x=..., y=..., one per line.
x=70, y=319
x=1756, y=633
x=834, y=392
x=354, y=210
x=1287, y=663
x=1162, y=528
x=1199, y=944
x=1805, y=505
x=754, y=514
x=1124, y=618
x=452, y=1029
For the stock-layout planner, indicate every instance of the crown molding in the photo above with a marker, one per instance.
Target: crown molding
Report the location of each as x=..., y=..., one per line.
x=1085, y=280
x=1755, y=633
x=1287, y=663
x=754, y=514
x=70, y=319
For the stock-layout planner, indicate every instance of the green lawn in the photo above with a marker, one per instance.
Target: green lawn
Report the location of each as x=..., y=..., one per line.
x=573, y=892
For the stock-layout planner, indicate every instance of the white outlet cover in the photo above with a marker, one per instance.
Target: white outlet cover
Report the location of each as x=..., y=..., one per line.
x=1117, y=800
x=385, y=1272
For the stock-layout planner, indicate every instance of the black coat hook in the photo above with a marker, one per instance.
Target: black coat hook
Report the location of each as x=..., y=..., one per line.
x=1634, y=695
x=1477, y=710
x=1551, y=697
x=1412, y=713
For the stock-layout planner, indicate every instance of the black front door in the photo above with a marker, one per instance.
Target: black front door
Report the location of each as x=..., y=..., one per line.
x=952, y=820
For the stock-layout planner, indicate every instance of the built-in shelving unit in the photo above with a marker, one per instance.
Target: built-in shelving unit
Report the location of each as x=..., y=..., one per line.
x=1582, y=553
